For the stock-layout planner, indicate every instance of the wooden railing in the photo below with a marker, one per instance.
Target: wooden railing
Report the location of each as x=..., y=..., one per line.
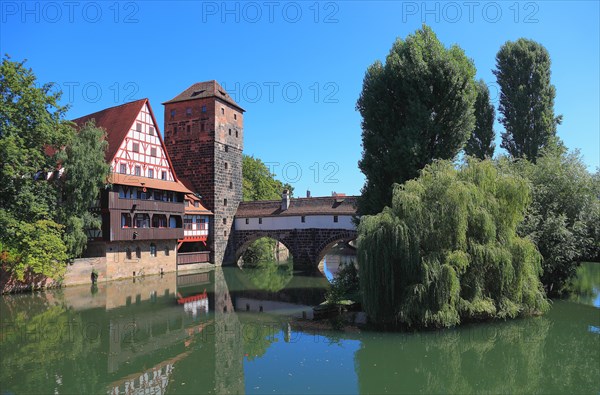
x=186, y=258
x=114, y=202
x=119, y=234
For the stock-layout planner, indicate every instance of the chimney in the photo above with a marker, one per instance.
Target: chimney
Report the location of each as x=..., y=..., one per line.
x=308, y=193
x=285, y=200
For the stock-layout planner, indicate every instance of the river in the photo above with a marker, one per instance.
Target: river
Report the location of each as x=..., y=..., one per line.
x=236, y=334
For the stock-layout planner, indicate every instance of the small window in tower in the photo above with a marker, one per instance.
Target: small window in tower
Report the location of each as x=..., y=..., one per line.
x=203, y=108
x=335, y=218
x=173, y=114
x=236, y=134
x=222, y=111
x=163, y=175
x=150, y=173
x=224, y=221
x=226, y=165
x=138, y=127
x=138, y=171
x=188, y=112
x=123, y=168
x=224, y=202
x=234, y=116
x=202, y=127
x=247, y=221
x=136, y=147
x=151, y=130
x=226, y=148
x=225, y=233
x=230, y=185
x=153, y=151
x=260, y=220
x=230, y=132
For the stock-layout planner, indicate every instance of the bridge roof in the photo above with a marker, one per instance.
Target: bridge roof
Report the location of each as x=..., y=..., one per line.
x=329, y=205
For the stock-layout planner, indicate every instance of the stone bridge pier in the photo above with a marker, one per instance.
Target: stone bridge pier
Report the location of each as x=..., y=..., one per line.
x=307, y=246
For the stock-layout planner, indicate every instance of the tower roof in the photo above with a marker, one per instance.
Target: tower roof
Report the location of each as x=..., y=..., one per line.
x=201, y=90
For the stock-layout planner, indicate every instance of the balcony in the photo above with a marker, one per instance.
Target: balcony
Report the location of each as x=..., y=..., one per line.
x=186, y=258
x=123, y=234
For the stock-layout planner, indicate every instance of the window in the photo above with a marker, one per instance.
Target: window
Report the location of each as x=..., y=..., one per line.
x=230, y=185
x=203, y=222
x=173, y=112
x=142, y=221
x=203, y=108
x=230, y=132
x=151, y=130
x=125, y=220
x=224, y=221
x=138, y=127
x=150, y=173
x=159, y=221
x=236, y=134
x=188, y=112
x=234, y=116
x=222, y=111
x=202, y=127
x=123, y=168
x=188, y=128
x=335, y=218
x=158, y=195
x=163, y=175
x=224, y=202
x=187, y=223
x=136, y=147
x=138, y=252
x=166, y=250
x=260, y=220
x=175, y=129
x=226, y=165
x=226, y=148
x=138, y=171
x=128, y=256
x=153, y=151
x=153, y=249
x=303, y=219
x=225, y=233
x=247, y=221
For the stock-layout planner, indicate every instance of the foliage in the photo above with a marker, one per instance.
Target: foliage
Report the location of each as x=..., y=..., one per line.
x=481, y=143
x=447, y=250
x=345, y=285
x=526, y=98
x=86, y=171
x=43, y=217
x=416, y=107
x=262, y=249
x=564, y=215
x=259, y=183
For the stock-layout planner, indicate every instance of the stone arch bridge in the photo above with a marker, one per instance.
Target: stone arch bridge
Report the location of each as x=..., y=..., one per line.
x=308, y=227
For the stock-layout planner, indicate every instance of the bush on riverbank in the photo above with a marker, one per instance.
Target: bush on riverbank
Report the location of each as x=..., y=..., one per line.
x=447, y=250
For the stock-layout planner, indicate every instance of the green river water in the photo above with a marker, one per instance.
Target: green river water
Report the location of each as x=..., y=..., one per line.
x=237, y=334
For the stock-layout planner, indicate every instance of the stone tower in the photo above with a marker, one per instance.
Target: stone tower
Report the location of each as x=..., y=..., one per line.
x=204, y=134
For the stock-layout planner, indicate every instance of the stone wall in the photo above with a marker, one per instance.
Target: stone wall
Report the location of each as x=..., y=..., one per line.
x=119, y=266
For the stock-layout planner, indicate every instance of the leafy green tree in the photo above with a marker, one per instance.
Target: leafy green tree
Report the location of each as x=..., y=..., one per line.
x=42, y=218
x=85, y=174
x=416, y=107
x=481, y=143
x=526, y=98
x=564, y=215
x=258, y=183
x=447, y=250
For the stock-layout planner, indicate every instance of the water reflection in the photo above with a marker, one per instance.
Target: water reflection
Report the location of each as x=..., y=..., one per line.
x=232, y=334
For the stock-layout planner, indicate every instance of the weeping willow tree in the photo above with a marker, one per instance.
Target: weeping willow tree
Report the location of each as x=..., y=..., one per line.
x=447, y=250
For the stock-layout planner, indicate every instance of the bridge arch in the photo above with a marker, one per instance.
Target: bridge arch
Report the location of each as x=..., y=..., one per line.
x=245, y=239
x=343, y=236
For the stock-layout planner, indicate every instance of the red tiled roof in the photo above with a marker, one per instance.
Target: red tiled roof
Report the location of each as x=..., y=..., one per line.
x=202, y=90
x=329, y=205
x=117, y=121
x=193, y=209
x=137, y=181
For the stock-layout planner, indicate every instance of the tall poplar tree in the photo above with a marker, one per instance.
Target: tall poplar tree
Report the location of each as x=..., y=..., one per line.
x=526, y=98
x=416, y=107
x=481, y=143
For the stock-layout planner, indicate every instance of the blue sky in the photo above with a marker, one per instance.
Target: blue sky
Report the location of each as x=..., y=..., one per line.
x=296, y=67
